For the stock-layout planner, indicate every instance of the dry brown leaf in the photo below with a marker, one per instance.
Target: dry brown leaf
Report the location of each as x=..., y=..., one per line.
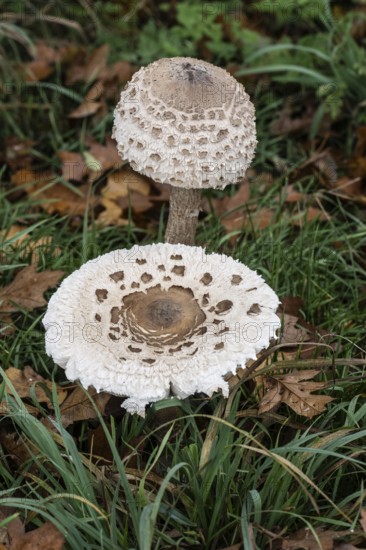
x=85, y=109
x=291, y=305
x=6, y=325
x=289, y=122
x=15, y=528
x=295, y=390
x=97, y=62
x=240, y=198
x=106, y=155
x=57, y=197
x=88, y=68
x=46, y=537
x=350, y=189
x=44, y=52
x=18, y=152
x=77, y=405
x=259, y=219
x=122, y=71
x=73, y=165
x=305, y=540
x=139, y=203
x=25, y=379
x=33, y=247
x=112, y=215
x=124, y=180
x=20, y=450
x=309, y=215
x=363, y=520
x=293, y=196
x=292, y=333
x=124, y=187
x=98, y=446
x=345, y=546
x=36, y=70
x=27, y=288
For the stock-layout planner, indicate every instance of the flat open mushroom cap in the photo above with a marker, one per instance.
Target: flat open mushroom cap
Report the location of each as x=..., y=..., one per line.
x=166, y=318
x=186, y=122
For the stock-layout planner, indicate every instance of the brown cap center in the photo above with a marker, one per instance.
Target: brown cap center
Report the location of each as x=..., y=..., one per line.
x=162, y=316
x=164, y=313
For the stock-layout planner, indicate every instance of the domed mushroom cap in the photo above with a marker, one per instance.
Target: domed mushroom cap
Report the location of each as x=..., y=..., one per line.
x=186, y=122
x=164, y=318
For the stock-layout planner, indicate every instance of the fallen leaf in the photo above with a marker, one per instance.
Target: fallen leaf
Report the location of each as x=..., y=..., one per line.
x=345, y=546
x=18, y=152
x=124, y=187
x=77, y=405
x=24, y=380
x=309, y=215
x=73, y=165
x=21, y=451
x=124, y=180
x=363, y=519
x=350, y=189
x=240, y=198
x=291, y=305
x=96, y=63
x=27, y=288
x=292, y=333
x=112, y=215
x=6, y=325
x=43, y=51
x=87, y=67
x=36, y=70
x=85, y=109
x=98, y=446
x=54, y=197
x=94, y=93
x=106, y=155
x=15, y=524
x=295, y=390
x=139, y=203
x=305, y=540
x=289, y=122
x=238, y=546
x=33, y=247
x=293, y=196
x=122, y=71
x=15, y=529
x=45, y=537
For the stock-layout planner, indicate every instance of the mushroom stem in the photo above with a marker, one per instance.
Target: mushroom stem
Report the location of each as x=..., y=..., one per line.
x=184, y=207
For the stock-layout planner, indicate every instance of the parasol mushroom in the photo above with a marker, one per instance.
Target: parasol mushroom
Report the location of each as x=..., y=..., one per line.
x=168, y=320
x=185, y=122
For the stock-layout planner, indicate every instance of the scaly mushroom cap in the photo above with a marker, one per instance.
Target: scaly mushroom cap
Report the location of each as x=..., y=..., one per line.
x=158, y=319
x=186, y=122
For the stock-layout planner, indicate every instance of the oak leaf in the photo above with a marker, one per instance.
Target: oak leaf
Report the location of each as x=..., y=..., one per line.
x=17, y=234
x=45, y=537
x=27, y=288
x=23, y=380
x=77, y=406
x=305, y=540
x=295, y=390
x=53, y=196
x=85, y=109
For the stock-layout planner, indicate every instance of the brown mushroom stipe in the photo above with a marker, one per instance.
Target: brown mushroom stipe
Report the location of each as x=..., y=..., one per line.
x=184, y=208
x=158, y=335
x=185, y=122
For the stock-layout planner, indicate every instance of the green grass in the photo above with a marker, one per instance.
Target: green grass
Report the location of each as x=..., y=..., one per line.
x=199, y=473
x=257, y=470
